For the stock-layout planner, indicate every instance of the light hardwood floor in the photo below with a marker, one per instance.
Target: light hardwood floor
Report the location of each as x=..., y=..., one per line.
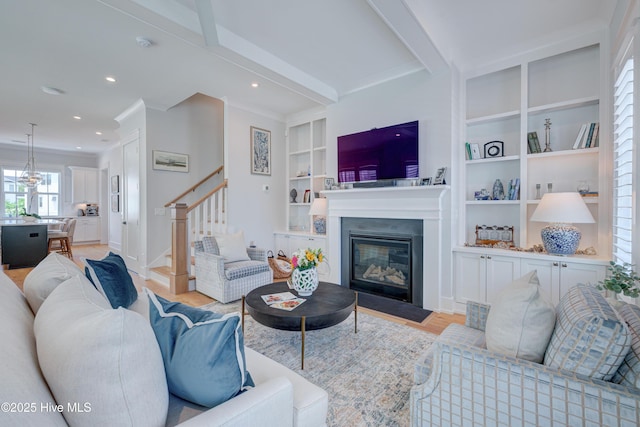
x=435, y=323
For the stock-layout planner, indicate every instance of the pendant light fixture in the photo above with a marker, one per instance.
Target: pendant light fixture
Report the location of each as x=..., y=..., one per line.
x=30, y=177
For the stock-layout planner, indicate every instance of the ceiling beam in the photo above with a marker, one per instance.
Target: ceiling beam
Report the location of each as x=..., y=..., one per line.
x=401, y=19
x=207, y=22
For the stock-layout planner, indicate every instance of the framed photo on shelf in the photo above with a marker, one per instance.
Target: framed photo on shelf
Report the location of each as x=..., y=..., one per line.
x=426, y=181
x=439, y=180
x=175, y=162
x=260, y=151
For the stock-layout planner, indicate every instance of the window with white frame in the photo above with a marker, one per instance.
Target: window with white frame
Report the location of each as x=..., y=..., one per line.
x=44, y=199
x=623, y=161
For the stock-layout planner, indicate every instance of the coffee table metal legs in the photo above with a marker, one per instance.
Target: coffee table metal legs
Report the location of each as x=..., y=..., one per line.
x=355, y=314
x=302, y=327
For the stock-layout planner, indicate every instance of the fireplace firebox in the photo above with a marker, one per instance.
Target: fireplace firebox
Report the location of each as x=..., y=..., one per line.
x=383, y=257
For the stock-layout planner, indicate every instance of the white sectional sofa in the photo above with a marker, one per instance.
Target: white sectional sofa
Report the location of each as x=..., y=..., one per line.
x=78, y=361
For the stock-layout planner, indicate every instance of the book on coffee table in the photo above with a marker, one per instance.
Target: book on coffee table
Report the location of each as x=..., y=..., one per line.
x=279, y=297
x=288, y=305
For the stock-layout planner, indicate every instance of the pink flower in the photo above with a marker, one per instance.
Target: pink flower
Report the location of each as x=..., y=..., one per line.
x=294, y=262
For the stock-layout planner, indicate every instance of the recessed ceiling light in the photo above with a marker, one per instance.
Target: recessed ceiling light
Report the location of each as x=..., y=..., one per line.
x=110, y=79
x=254, y=84
x=98, y=133
x=77, y=117
x=52, y=90
x=78, y=148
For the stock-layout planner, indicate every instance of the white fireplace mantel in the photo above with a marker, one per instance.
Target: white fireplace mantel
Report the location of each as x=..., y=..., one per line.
x=431, y=204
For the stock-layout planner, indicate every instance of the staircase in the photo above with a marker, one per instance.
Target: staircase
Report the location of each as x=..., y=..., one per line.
x=199, y=211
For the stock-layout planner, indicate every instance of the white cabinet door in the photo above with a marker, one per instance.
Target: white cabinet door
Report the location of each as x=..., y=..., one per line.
x=87, y=230
x=501, y=271
x=557, y=277
x=469, y=278
x=548, y=275
x=84, y=187
x=572, y=273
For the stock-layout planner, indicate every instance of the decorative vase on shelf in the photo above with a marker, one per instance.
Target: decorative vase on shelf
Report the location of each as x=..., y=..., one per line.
x=305, y=281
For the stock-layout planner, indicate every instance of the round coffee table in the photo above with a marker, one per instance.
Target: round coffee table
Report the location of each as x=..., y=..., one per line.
x=328, y=305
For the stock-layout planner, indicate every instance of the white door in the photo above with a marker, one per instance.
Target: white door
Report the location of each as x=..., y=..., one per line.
x=501, y=271
x=469, y=277
x=131, y=202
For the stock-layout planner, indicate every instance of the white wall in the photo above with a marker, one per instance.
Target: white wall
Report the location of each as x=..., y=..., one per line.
x=16, y=156
x=112, y=161
x=251, y=209
x=417, y=96
x=194, y=127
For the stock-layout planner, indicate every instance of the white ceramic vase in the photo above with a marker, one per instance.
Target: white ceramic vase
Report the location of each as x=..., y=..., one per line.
x=305, y=281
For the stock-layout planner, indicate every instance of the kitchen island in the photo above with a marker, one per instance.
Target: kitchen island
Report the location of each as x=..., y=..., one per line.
x=23, y=243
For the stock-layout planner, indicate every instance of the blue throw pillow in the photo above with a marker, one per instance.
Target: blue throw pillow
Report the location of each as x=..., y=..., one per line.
x=110, y=276
x=203, y=352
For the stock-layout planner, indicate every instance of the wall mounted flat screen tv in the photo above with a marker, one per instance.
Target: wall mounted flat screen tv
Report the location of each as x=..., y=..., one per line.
x=379, y=154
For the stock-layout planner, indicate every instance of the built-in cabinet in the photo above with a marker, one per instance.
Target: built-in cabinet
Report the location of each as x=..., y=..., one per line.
x=306, y=170
x=84, y=185
x=291, y=242
x=566, y=85
x=87, y=230
x=506, y=105
x=479, y=275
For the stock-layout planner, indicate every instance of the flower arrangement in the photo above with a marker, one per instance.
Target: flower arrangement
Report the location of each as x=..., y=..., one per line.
x=304, y=259
x=622, y=280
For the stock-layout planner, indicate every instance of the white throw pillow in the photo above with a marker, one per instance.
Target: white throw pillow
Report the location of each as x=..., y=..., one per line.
x=521, y=321
x=232, y=247
x=46, y=276
x=106, y=362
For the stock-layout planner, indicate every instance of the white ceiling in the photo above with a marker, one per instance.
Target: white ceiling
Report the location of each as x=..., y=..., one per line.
x=303, y=53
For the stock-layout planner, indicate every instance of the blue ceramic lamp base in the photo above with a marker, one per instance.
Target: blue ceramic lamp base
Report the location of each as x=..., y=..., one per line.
x=560, y=239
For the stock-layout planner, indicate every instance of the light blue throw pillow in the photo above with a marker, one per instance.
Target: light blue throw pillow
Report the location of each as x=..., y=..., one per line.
x=203, y=352
x=111, y=278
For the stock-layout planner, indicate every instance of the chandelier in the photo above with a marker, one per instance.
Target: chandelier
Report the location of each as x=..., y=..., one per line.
x=30, y=177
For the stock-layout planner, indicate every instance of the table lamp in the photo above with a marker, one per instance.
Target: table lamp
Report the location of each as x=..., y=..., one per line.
x=319, y=211
x=560, y=210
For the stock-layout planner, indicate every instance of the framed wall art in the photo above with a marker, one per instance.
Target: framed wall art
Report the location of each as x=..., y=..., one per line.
x=166, y=161
x=115, y=184
x=260, y=151
x=115, y=203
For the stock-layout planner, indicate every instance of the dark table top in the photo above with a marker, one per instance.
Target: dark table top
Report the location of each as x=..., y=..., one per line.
x=328, y=305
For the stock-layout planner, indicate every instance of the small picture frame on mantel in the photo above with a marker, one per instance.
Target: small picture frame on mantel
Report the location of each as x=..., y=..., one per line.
x=440, y=174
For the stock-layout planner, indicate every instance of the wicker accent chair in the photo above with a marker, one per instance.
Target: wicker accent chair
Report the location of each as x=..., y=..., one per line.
x=229, y=281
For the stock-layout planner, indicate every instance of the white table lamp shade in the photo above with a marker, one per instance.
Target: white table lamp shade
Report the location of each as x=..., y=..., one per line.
x=562, y=208
x=318, y=207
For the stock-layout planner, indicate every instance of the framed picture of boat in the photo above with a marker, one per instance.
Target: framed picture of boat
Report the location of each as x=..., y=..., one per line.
x=166, y=161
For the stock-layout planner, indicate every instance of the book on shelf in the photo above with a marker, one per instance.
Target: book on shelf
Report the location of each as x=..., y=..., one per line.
x=583, y=129
x=587, y=136
x=589, y=194
x=533, y=143
x=473, y=151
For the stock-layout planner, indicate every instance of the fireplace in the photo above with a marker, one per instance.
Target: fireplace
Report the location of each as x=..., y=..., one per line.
x=383, y=257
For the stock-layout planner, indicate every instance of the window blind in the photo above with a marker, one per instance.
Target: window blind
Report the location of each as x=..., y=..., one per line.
x=623, y=164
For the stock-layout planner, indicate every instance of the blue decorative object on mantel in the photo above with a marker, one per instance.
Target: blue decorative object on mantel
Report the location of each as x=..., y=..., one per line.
x=561, y=239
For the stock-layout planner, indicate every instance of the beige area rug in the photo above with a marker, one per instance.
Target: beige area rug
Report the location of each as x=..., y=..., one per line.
x=367, y=375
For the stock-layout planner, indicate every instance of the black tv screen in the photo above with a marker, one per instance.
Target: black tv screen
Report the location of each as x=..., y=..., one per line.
x=378, y=154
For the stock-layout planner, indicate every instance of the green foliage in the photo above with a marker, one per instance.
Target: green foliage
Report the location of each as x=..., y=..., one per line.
x=23, y=212
x=622, y=279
